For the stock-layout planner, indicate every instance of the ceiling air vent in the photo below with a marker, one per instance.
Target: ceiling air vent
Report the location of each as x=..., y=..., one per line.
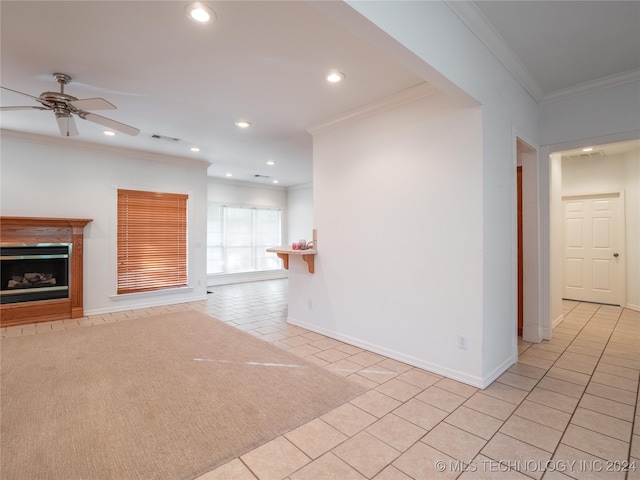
x=582, y=155
x=167, y=139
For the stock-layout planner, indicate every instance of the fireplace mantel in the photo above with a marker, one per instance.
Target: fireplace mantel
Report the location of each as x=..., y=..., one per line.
x=35, y=230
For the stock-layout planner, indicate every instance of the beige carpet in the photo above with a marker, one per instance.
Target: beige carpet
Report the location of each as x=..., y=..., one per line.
x=164, y=397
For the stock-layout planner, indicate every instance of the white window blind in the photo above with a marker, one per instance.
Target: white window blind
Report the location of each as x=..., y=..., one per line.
x=152, y=241
x=237, y=239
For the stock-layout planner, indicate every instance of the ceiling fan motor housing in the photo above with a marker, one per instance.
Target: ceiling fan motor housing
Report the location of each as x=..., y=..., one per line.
x=64, y=106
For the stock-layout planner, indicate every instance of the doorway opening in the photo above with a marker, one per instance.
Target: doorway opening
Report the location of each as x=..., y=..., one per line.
x=586, y=180
x=527, y=241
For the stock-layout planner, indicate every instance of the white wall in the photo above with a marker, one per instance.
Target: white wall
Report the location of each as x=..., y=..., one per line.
x=300, y=213
x=433, y=34
x=233, y=193
x=556, y=234
x=613, y=174
x=44, y=177
x=398, y=209
x=607, y=112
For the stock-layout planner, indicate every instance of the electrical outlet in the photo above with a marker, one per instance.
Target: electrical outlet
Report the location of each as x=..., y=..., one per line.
x=463, y=342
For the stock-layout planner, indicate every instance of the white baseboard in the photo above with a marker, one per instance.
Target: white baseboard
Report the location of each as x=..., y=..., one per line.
x=158, y=302
x=472, y=380
x=231, y=278
x=635, y=308
x=557, y=321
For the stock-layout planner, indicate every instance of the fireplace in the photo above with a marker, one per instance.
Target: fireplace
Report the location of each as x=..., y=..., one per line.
x=41, y=269
x=34, y=272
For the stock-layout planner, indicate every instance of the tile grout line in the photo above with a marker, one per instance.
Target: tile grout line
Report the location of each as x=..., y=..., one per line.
x=587, y=386
x=537, y=383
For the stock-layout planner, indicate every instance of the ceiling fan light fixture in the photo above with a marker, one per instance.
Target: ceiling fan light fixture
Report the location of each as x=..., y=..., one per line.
x=199, y=12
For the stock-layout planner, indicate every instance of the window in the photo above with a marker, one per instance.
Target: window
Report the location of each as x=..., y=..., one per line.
x=237, y=239
x=152, y=241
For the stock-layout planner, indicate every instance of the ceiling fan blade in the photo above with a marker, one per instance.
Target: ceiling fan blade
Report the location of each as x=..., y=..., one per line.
x=23, y=108
x=21, y=93
x=107, y=122
x=67, y=126
x=92, y=104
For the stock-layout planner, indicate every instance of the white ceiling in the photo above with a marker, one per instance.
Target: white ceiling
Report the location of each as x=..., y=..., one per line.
x=265, y=62
x=563, y=44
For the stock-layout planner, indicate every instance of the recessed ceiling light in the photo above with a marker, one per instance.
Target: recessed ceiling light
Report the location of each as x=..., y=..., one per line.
x=198, y=12
x=194, y=149
x=335, y=77
x=229, y=175
x=275, y=181
x=109, y=133
x=243, y=124
x=271, y=162
x=588, y=149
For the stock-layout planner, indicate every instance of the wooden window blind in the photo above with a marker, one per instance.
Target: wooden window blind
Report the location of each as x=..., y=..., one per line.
x=152, y=241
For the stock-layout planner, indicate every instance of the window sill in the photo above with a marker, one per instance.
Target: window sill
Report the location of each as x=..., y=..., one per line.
x=151, y=293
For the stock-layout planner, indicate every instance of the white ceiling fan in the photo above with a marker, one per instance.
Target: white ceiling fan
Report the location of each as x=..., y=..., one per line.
x=65, y=106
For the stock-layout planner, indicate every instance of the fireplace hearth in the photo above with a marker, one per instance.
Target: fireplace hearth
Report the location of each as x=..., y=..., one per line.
x=41, y=269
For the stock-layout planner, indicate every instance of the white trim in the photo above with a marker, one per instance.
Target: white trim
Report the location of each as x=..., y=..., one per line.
x=591, y=141
x=151, y=293
x=302, y=186
x=635, y=308
x=100, y=148
x=593, y=85
x=557, y=321
x=482, y=28
x=231, y=278
x=140, y=306
x=243, y=183
x=406, y=96
x=544, y=244
x=408, y=359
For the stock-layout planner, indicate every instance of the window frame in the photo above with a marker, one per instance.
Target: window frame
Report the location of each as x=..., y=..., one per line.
x=224, y=247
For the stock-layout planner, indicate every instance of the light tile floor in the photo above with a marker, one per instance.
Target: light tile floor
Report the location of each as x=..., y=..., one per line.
x=567, y=409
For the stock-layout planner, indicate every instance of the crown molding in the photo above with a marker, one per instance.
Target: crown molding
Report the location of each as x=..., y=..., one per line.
x=244, y=183
x=598, y=84
x=302, y=186
x=100, y=148
x=482, y=28
x=405, y=96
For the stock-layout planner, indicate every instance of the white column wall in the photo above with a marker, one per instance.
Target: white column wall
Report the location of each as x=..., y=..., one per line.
x=556, y=233
x=439, y=39
x=398, y=208
x=44, y=177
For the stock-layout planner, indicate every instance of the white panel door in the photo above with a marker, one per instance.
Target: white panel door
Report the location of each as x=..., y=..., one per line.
x=592, y=248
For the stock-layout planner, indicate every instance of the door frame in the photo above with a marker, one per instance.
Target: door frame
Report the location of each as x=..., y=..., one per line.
x=549, y=195
x=527, y=156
